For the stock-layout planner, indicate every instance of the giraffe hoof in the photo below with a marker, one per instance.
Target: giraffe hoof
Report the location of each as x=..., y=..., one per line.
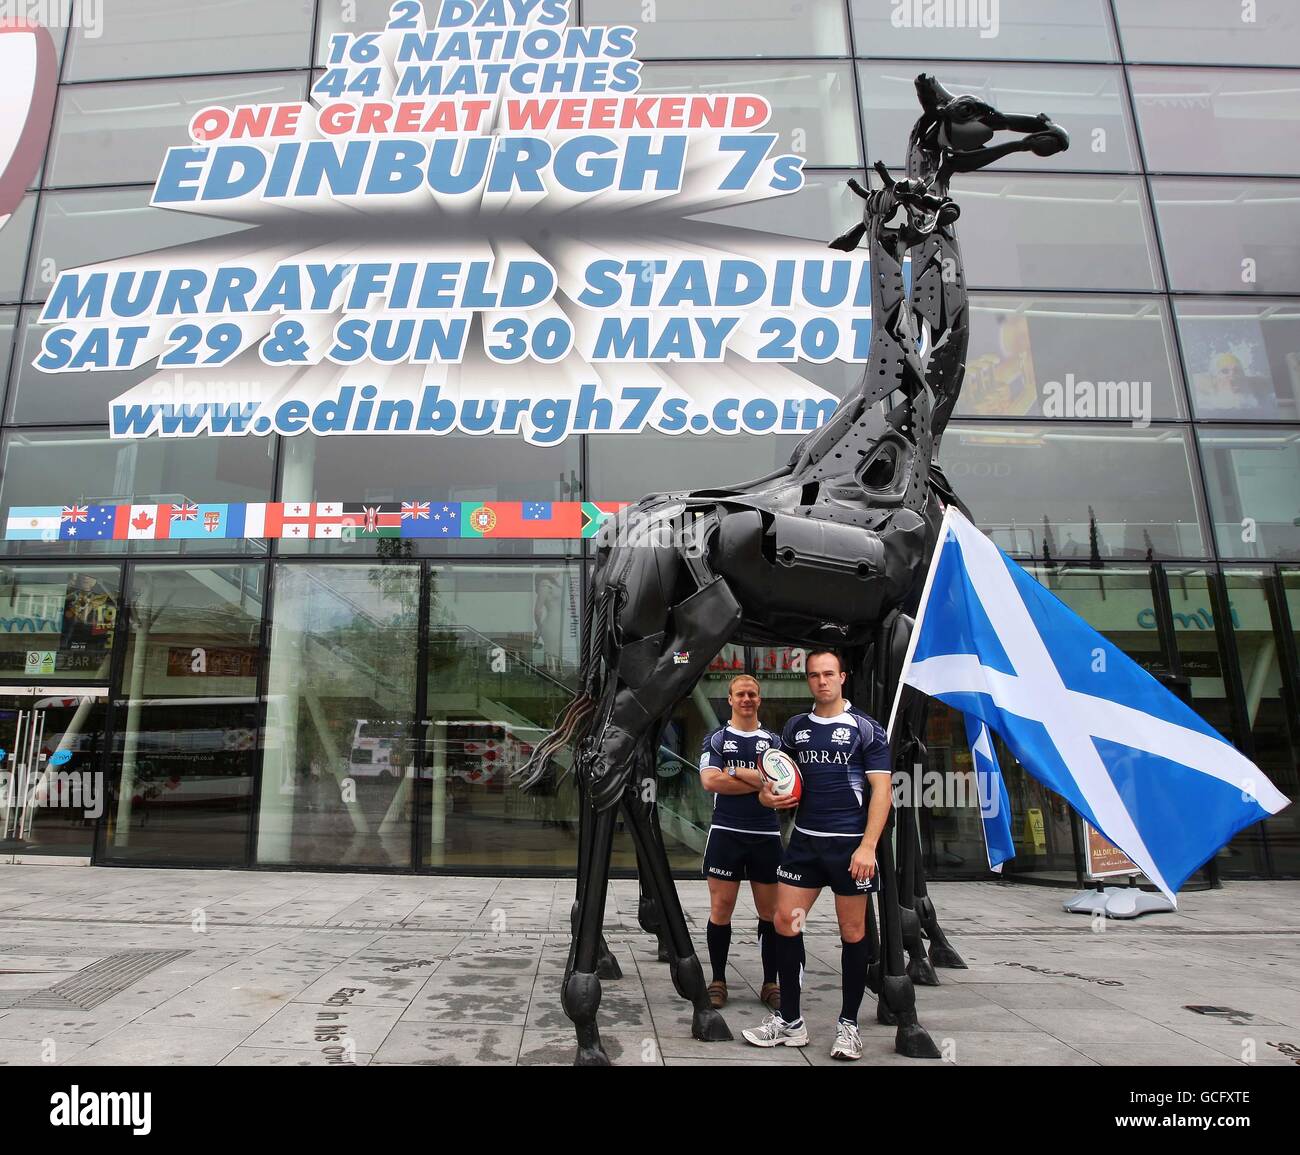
x=710, y=1027
x=591, y=1057
x=921, y=972
x=944, y=955
x=884, y=1016
x=914, y=1042
x=607, y=967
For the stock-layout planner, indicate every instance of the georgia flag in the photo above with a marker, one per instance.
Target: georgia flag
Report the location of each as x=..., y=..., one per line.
x=28, y=75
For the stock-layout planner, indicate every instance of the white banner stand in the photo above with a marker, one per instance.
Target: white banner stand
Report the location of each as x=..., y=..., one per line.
x=1106, y=860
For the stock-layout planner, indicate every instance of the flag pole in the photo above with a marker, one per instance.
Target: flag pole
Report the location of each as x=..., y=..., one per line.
x=948, y=513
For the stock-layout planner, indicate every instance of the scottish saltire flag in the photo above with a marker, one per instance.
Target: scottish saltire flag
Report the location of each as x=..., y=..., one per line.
x=991, y=788
x=1082, y=717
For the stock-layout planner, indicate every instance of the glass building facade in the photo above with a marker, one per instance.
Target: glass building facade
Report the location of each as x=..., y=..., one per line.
x=1129, y=430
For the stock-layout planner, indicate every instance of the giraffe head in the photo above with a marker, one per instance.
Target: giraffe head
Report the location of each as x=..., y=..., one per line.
x=953, y=133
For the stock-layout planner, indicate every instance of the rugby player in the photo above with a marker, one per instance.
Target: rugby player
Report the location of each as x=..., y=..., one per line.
x=841, y=752
x=744, y=838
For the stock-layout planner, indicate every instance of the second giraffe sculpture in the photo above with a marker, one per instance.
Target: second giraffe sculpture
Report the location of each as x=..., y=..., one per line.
x=830, y=550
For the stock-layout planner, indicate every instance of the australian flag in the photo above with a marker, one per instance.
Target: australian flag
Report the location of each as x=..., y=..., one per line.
x=1082, y=717
x=96, y=525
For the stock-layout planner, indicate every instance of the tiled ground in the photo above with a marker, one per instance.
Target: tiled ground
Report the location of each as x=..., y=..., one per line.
x=285, y=968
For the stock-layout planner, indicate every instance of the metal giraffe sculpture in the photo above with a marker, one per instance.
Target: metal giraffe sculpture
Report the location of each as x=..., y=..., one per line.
x=829, y=550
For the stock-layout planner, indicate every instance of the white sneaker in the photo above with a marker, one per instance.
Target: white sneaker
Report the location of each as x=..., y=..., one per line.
x=848, y=1043
x=776, y=1032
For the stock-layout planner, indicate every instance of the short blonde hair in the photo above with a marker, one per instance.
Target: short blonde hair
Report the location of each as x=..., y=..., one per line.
x=743, y=678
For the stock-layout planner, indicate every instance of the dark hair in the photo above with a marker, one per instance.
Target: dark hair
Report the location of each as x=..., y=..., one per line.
x=833, y=653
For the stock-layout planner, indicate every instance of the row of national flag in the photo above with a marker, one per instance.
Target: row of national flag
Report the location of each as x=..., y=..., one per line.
x=309, y=520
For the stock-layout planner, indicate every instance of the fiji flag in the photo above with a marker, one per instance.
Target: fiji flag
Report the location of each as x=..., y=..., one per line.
x=995, y=804
x=1083, y=718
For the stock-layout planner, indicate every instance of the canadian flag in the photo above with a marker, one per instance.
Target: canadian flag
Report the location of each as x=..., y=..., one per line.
x=307, y=519
x=28, y=77
x=143, y=521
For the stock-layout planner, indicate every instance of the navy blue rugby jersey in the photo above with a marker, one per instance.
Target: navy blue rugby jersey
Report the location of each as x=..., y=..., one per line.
x=835, y=755
x=729, y=747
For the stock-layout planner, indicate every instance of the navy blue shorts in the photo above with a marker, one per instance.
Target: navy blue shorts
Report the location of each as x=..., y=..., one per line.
x=731, y=855
x=814, y=861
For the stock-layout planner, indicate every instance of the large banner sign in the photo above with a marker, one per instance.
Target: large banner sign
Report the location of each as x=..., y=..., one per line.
x=483, y=224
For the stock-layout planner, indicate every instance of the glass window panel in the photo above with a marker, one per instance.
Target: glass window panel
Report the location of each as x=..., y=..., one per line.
x=820, y=211
x=8, y=323
x=1242, y=357
x=340, y=725
x=1106, y=357
x=187, y=732
x=1084, y=101
x=451, y=469
x=1079, y=494
x=15, y=238
x=1275, y=731
x=71, y=611
x=1218, y=120
x=812, y=103
x=1209, y=31
x=1253, y=478
x=37, y=398
x=1054, y=232
x=119, y=133
x=163, y=38
x=1203, y=664
x=87, y=467
x=353, y=17
x=502, y=663
x=1284, y=848
x=627, y=468
x=88, y=226
x=1223, y=236
x=1043, y=30
x=677, y=28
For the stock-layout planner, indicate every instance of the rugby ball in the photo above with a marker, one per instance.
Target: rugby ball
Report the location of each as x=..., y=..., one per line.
x=781, y=772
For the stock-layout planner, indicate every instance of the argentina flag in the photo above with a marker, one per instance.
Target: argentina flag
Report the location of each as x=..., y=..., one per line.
x=1081, y=716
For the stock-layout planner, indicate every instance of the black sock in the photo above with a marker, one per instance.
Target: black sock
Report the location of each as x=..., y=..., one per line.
x=853, y=966
x=719, y=940
x=803, y=954
x=789, y=968
x=767, y=949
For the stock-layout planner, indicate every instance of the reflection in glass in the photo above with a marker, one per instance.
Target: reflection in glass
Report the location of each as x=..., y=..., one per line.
x=1043, y=30
x=1209, y=31
x=186, y=741
x=339, y=752
x=1242, y=357
x=627, y=468
x=66, y=617
x=1253, y=476
x=1074, y=494
x=1204, y=663
x=502, y=663
x=812, y=103
x=119, y=133
x=87, y=226
x=1274, y=729
x=14, y=240
x=163, y=38
x=1085, y=101
x=88, y=468
x=386, y=471
x=1224, y=235
x=680, y=28
x=1054, y=232
x=1069, y=357
x=1218, y=120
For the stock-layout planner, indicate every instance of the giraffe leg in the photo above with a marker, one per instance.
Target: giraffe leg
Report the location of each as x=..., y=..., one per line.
x=896, y=989
x=581, y=992
x=606, y=964
x=688, y=975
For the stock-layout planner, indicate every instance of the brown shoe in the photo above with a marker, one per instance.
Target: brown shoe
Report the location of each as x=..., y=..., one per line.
x=717, y=995
x=770, y=996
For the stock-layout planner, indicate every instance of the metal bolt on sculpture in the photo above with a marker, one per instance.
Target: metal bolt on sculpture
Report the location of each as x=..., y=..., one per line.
x=832, y=549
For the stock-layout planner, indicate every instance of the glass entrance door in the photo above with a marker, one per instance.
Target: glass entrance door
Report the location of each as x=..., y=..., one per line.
x=52, y=788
